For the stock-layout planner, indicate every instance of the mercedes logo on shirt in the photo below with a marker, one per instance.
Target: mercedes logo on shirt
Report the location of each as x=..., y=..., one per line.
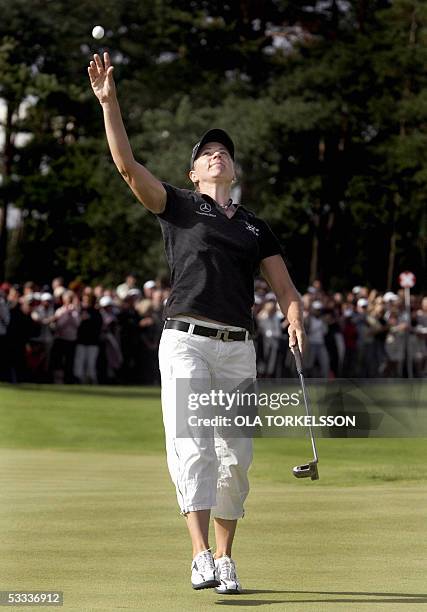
x=205, y=210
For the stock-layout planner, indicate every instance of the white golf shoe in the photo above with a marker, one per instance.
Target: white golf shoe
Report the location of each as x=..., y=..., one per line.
x=203, y=572
x=227, y=575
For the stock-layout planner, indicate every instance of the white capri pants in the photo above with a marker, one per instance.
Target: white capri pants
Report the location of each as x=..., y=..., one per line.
x=208, y=473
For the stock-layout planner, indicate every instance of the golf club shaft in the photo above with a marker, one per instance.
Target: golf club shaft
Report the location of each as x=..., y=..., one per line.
x=298, y=362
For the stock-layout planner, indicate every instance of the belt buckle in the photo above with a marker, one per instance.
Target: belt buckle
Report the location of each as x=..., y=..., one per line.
x=222, y=334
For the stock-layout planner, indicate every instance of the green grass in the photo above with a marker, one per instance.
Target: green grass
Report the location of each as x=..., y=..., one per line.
x=128, y=420
x=86, y=506
x=72, y=417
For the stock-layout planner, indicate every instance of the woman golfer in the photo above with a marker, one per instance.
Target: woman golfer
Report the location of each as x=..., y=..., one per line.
x=214, y=248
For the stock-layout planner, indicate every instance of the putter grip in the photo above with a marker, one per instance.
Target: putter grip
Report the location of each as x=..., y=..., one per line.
x=298, y=360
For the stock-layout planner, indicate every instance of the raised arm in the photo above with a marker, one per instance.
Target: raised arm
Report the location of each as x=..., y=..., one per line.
x=276, y=274
x=147, y=188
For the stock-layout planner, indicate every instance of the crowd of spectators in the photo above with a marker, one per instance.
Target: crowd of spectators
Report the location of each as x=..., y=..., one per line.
x=361, y=333
x=98, y=335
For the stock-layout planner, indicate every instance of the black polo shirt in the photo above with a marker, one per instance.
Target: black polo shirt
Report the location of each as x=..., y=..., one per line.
x=213, y=259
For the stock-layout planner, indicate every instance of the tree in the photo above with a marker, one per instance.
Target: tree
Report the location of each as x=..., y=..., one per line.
x=325, y=100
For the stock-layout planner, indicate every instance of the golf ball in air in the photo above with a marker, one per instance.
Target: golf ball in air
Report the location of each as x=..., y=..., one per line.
x=98, y=32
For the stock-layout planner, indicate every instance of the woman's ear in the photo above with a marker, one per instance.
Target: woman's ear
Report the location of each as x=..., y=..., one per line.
x=193, y=178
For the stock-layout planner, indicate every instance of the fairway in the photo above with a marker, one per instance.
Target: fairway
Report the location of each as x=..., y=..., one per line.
x=87, y=508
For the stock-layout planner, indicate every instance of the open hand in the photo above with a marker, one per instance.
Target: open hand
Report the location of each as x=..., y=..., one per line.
x=101, y=78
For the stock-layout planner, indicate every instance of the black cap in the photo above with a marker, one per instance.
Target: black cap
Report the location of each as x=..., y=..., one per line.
x=214, y=135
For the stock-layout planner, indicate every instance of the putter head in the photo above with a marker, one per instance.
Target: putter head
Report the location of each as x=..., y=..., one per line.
x=308, y=470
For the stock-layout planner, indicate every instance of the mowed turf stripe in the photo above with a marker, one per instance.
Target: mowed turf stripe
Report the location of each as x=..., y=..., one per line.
x=105, y=529
x=129, y=420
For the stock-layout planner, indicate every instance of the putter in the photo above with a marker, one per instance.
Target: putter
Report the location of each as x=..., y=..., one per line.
x=307, y=470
